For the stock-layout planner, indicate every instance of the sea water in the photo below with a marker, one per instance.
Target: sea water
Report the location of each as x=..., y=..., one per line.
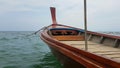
x=22, y=50
x=18, y=50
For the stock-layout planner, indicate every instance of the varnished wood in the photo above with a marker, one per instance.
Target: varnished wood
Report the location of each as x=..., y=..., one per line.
x=96, y=48
x=95, y=57
x=69, y=46
x=116, y=43
x=53, y=14
x=69, y=37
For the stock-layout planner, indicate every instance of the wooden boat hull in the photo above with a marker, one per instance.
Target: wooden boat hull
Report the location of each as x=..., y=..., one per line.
x=70, y=56
x=65, y=60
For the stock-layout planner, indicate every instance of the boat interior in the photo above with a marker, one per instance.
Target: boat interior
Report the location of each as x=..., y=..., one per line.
x=97, y=44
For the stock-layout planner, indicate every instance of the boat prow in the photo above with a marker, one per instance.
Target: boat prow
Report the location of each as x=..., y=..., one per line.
x=67, y=44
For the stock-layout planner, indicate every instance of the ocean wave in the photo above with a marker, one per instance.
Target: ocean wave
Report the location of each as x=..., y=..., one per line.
x=12, y=66
x=18, y=50
x=4, y=39
x=15, y=38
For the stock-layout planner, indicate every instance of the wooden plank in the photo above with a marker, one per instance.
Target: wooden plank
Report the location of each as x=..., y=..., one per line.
x=109, y=53
x=77, y=42
x=106, y=51
x=116, y=58
x=101, y=39
x=112, y=55
x=116, y=43
x=72, y=37
x=89, y=36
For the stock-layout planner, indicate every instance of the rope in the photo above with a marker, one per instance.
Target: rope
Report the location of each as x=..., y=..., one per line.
x=37, y=31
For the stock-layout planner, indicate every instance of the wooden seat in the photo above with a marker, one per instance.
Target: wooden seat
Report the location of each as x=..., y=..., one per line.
x=68, y=38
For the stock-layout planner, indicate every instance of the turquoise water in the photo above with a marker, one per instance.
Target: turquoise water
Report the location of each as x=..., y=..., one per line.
x=20, y=51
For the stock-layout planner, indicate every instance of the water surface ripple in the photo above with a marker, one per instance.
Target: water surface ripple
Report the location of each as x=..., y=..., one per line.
x=20, y=51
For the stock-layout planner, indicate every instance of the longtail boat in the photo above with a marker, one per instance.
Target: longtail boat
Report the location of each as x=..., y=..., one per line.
x=68, y=45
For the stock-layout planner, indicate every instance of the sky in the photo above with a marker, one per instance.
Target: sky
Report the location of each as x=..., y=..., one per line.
x=31, y=15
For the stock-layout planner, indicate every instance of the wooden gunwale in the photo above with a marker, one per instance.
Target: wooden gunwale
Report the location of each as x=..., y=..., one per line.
x=90, y=32
x=81, y=59
x=92, y=57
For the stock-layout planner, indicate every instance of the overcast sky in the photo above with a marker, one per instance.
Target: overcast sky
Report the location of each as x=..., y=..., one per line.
x=31, y=15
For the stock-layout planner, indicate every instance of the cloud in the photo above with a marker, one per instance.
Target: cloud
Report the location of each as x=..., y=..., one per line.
x=101, y=13
x=23, y=14
x=21, y=5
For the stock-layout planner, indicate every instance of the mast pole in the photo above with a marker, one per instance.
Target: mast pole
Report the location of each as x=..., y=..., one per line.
x=85, y=24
